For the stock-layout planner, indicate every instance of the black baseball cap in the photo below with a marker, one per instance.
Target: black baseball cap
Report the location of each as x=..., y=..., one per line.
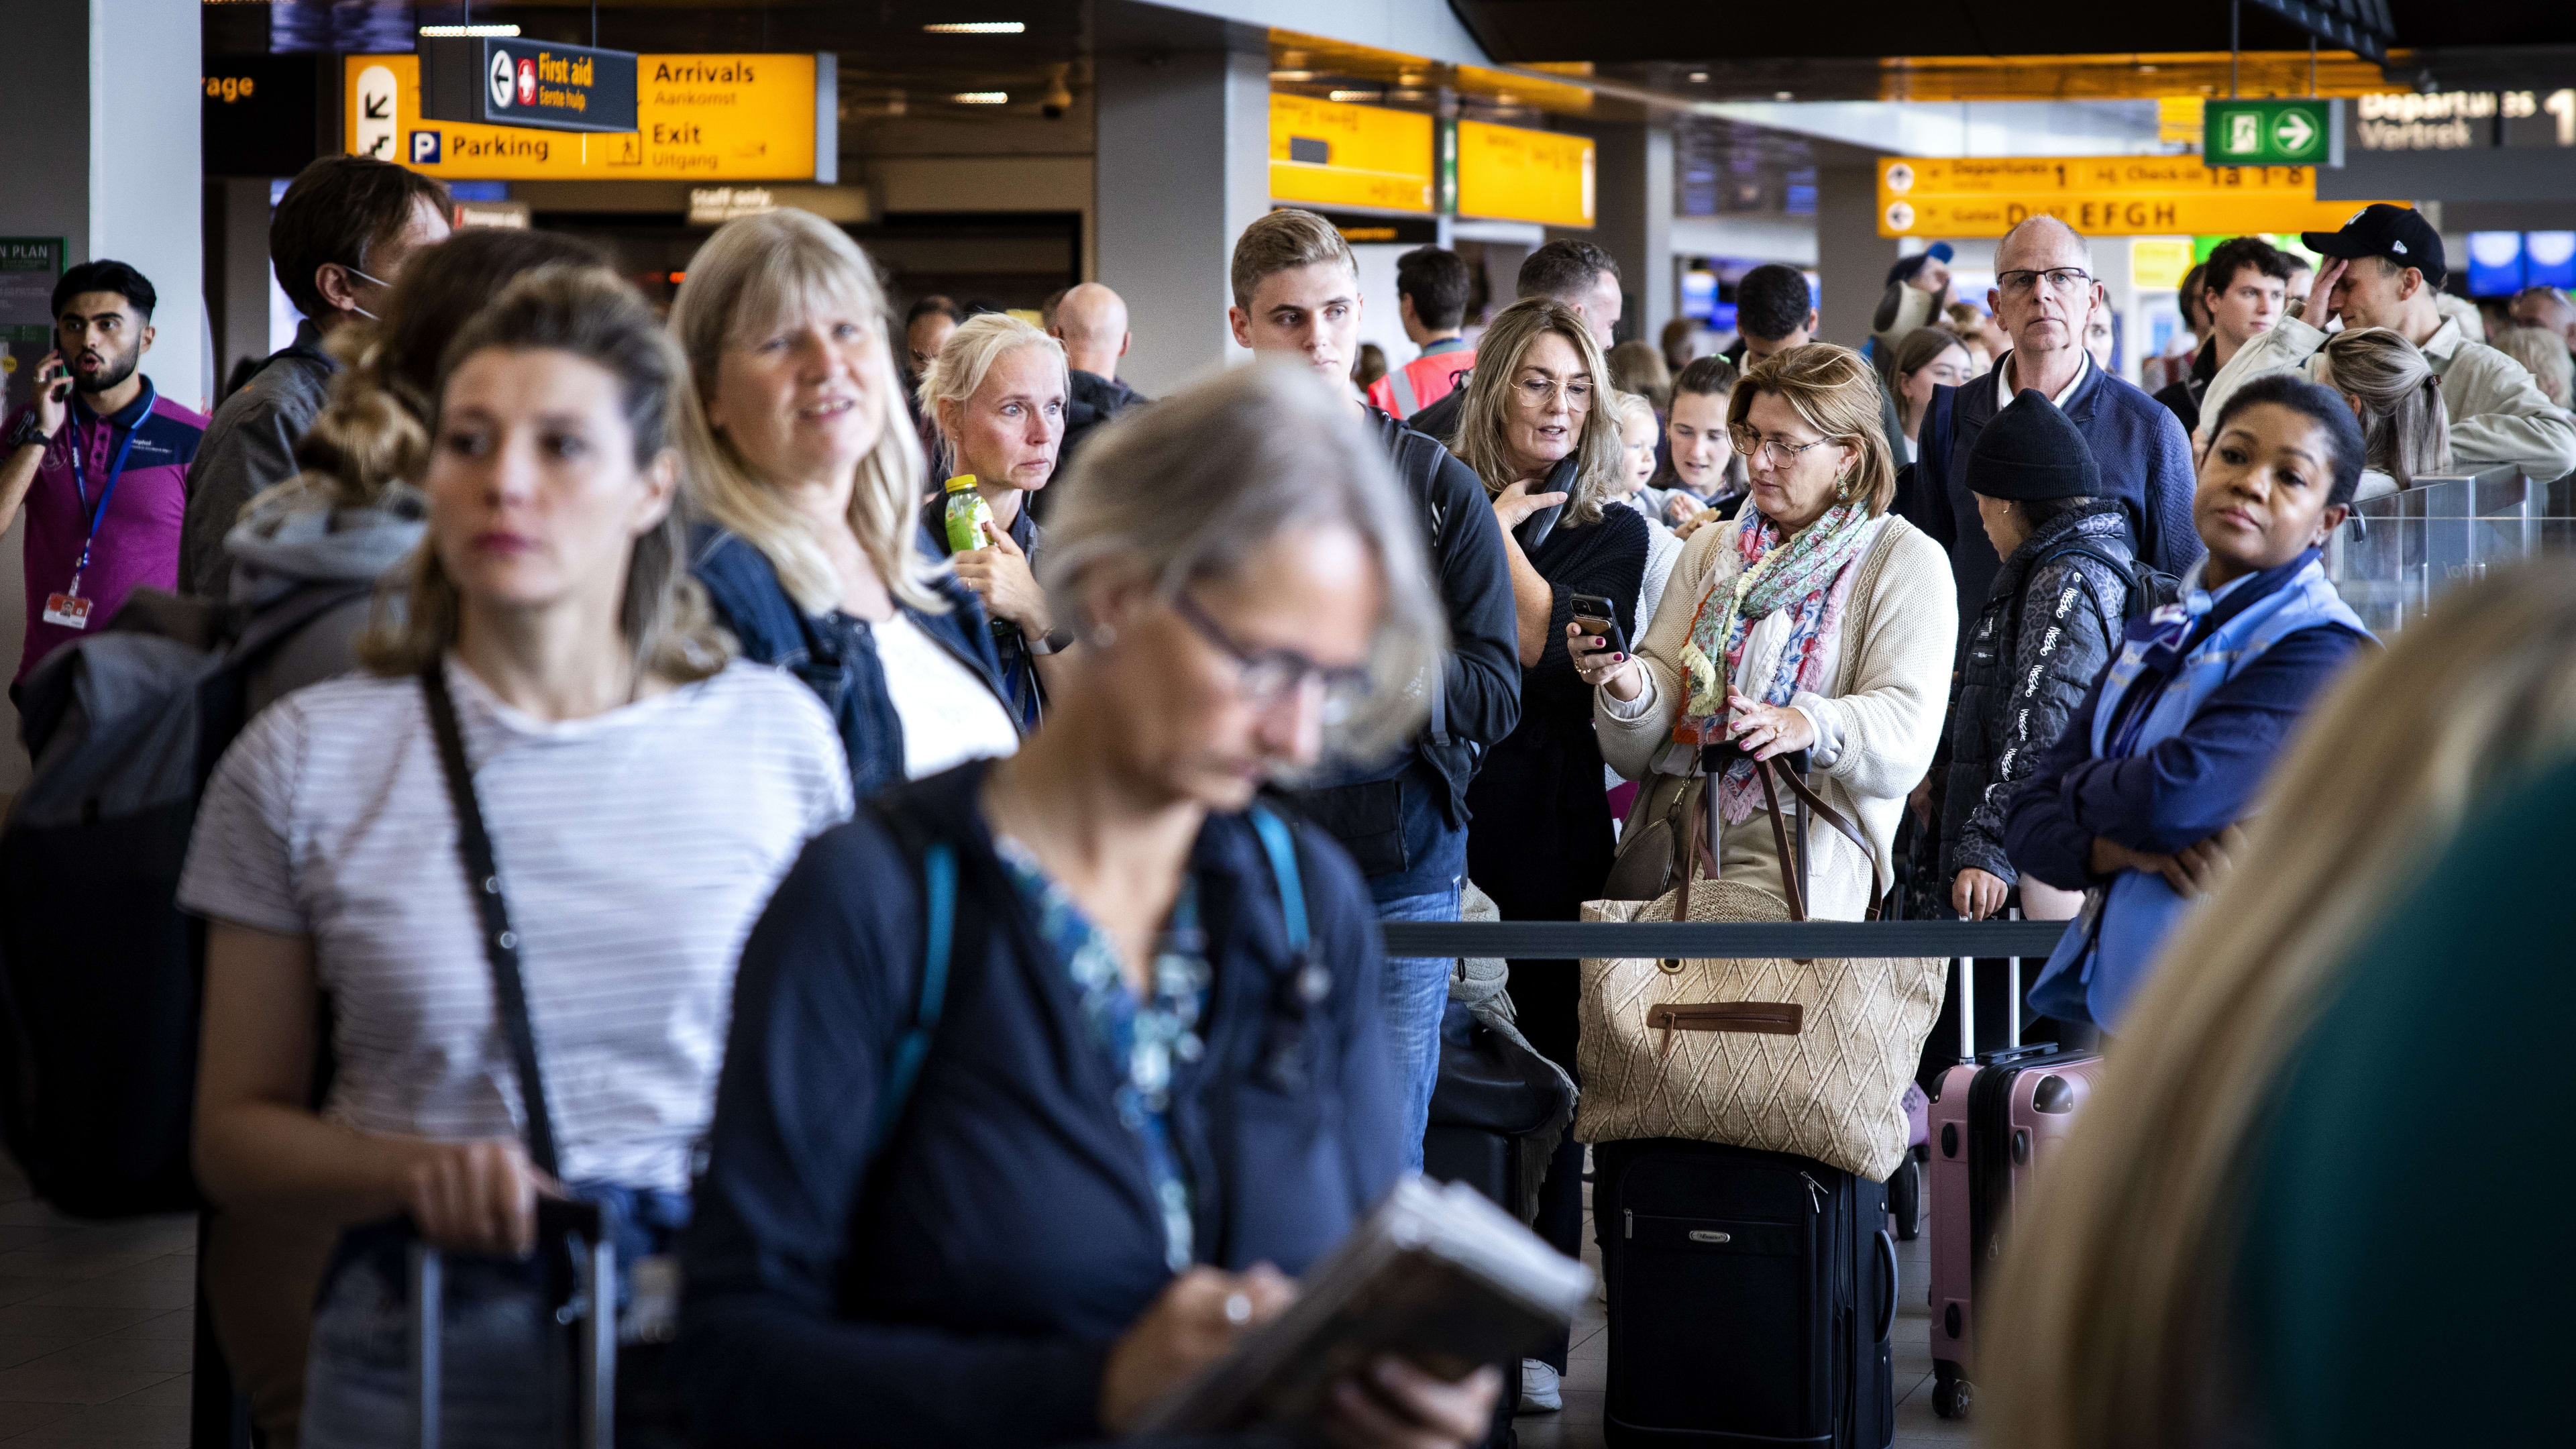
x=2398, y=233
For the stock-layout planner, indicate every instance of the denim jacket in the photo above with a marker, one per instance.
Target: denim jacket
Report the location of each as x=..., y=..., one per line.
x=833, y=654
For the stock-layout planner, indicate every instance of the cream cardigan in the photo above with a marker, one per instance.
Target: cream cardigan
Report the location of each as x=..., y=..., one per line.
x=1889, y=694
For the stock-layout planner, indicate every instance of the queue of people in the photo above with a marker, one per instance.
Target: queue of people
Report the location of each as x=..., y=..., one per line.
x=979, y=1022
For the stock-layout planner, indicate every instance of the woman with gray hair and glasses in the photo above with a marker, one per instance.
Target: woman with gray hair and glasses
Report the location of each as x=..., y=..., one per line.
x=1146, y=1101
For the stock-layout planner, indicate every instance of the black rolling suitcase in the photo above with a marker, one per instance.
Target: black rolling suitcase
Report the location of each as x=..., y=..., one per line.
x=1751, y=1298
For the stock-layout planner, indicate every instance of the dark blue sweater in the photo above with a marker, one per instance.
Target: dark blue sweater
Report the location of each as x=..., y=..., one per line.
x=964, y=1289
x=2183, y=789
x=2144, y=456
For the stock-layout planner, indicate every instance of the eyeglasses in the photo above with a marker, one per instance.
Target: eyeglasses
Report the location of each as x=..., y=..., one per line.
x=1536, y=391
x=2064, y=281
x=1264, y=677
x=1752, y=444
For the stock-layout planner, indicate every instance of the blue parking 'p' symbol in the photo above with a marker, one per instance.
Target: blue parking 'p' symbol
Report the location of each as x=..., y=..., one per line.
x=424, y=148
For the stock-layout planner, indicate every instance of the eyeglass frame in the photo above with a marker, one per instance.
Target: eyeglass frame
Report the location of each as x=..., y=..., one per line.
x=1736, y=433
x=1350, y=680
x=2004, y=280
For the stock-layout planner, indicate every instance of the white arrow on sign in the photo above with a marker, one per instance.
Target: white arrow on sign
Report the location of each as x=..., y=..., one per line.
x=2293, y=131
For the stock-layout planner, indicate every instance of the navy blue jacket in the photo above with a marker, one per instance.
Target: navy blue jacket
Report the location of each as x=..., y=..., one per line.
x=835, y=655
x=2184, y=789
x=2144, y=455
x=964, y=1289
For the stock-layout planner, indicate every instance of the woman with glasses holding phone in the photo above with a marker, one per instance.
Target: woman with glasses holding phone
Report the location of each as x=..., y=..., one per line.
x=1538, y=429
x=1152, y=1082
x=1815, y=621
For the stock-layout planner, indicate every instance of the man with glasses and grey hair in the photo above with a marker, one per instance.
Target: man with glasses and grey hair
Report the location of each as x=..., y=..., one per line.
x=2044, y=293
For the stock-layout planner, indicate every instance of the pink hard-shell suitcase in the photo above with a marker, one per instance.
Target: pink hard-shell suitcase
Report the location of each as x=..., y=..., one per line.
x=1997, y=1118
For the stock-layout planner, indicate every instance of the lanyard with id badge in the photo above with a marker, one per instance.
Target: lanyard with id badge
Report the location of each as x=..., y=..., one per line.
x=68, y=609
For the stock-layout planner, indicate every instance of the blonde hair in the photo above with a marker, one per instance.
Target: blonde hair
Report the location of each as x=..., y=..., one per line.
x=2545, y=353
x=2110, y=1328
x=2405, y=431
x=1282, y=240
x=1834, y=392
x=1626, y=407
x=1483, y=437
x=1192, y=487
x=958, y=372
x=590, y=313
x=754, y=273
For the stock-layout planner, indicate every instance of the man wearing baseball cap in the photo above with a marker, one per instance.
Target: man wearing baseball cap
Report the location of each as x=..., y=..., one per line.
x=1916, y=289
x=2384, y=269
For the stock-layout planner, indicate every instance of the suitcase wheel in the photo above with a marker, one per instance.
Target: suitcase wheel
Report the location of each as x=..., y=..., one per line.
x=1951, y=1396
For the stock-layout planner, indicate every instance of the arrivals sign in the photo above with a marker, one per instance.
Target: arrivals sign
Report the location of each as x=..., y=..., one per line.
x=510, y=82
x=695, y=118
x=2272, y=133
x=1326, y=153
x=1508, y=173
x=2100, y=196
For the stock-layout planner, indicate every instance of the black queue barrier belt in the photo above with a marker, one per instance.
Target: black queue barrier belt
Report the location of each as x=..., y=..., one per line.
x=1639, y=940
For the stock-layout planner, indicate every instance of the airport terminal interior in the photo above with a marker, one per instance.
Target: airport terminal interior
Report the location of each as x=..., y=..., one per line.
x=2207, y=355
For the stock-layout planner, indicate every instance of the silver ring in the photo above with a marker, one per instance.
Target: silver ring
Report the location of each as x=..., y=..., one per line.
x=1238, y=1309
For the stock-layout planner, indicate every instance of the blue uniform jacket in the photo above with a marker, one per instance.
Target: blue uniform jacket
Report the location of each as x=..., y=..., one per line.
x=2186, y=788
x=835, y=657
x=963, y=1288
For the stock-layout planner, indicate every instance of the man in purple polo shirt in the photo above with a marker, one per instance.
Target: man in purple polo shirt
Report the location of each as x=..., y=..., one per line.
x=99, y=460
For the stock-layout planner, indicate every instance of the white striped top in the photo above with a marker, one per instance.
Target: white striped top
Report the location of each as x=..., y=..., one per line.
x=635, y=850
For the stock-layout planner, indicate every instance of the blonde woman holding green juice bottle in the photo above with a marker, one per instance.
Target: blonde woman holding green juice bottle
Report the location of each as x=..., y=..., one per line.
x=997, y=393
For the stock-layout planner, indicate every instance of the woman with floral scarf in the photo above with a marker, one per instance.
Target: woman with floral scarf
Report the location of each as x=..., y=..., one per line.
x=1814, y=621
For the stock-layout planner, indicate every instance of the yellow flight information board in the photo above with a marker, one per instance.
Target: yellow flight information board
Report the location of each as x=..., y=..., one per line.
x=1510, y=174
x=2100, y=196
x=697, y=118
x=1326, y=153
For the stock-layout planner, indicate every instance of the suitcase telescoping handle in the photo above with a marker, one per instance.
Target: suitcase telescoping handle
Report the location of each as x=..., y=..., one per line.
x=592, y=1312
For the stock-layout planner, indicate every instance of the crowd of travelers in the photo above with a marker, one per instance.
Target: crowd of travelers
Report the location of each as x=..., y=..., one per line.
x=949, y=961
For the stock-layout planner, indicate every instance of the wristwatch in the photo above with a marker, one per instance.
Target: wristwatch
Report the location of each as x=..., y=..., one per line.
x=1058, y=640
x=26, y=432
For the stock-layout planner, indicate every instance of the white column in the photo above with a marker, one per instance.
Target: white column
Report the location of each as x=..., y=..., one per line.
x=1183, y=168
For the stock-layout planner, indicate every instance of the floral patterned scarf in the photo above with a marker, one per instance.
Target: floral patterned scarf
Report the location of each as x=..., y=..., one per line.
x=1808, y=575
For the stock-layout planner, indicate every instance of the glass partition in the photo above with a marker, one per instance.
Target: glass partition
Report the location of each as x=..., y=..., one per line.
x=2400, y=551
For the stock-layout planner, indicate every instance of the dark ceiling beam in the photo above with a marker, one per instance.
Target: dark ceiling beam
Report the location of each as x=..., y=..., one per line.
x=2360, y=26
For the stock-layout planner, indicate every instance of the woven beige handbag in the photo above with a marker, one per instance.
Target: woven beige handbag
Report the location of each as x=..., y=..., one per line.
x=1808, y=1057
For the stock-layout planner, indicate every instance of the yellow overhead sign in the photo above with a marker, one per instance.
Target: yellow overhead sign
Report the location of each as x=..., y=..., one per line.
x=2100, y=196
x=1511, y=174
x=1328, y=154
x=697, y=118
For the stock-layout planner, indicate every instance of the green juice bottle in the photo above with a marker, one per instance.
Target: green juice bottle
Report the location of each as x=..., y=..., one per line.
x=967, y=515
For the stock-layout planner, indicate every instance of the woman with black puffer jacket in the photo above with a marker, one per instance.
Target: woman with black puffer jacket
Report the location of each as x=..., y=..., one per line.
x=2049, y=626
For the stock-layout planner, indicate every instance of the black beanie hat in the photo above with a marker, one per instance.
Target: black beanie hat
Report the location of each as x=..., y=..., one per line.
x=2031, y=452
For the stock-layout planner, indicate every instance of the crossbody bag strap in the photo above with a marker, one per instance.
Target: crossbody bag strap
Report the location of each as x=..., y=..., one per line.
x=939, y=933
x=500, y=943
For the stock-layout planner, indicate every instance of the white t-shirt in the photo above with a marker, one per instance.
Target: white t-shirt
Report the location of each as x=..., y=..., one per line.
x=949, y=716
x=635, y=849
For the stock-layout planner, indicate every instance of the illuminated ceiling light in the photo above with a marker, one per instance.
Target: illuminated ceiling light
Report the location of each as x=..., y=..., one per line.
x=982, y=98
x=1408, y=80
x=1506, y=98
x=1783, y=95
x=1292, y=75
x=1698, y=76
x=976, y=27
x=1352, y=95
x=454, y=32
x=2148, y=68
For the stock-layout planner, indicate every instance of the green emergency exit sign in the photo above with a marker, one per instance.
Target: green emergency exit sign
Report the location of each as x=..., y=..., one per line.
x=2272, y=133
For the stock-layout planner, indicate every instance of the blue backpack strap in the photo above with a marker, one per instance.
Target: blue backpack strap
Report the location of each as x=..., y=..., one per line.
x=939, y=913
x=1281, y=846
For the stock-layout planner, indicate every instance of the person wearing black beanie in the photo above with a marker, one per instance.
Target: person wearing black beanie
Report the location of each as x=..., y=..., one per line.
x=2054, y=616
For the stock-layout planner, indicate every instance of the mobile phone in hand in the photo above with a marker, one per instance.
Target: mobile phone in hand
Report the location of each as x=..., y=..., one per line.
x=1594, y=615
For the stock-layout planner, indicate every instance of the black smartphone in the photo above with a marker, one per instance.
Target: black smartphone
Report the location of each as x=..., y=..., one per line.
x=1594, y=615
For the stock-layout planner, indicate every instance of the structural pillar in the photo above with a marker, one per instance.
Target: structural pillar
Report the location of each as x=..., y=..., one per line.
x=1176, y=131
x=1633, y=219
x=99, y=100
x=1851, y=257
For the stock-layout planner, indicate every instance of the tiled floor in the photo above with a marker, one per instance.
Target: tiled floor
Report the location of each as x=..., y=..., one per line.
x=1578, y=1426
x=95, y=1324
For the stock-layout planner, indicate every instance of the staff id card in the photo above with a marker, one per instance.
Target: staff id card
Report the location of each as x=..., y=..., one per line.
x=71, y=611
